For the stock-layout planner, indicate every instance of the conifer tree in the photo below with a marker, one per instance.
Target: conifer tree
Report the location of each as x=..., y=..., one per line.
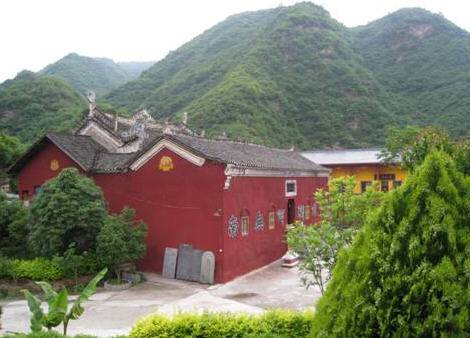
x=407, y=273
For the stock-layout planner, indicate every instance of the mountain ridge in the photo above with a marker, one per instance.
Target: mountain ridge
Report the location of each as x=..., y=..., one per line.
x=294, y=75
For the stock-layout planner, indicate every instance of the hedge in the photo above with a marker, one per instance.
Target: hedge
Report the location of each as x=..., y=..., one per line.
x=273, y=323
x=43, y=269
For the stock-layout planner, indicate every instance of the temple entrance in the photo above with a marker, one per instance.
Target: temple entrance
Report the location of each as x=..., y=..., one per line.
x=290, y=211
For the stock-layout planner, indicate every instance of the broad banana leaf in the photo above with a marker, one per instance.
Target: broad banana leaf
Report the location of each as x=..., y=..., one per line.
x=49, y=292
x=57, y=309
x=77, y=308
x=34, y=305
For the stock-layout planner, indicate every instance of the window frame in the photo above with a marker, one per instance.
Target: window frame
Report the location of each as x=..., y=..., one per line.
x=291, y=193
x=244, y=227
x=271, y=217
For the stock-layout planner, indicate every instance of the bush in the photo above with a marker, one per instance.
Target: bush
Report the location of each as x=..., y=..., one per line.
x=284, y=323
x=407, y=272
x=37, y=269
x=69, y=210
x=44, y=334
x=6, y=266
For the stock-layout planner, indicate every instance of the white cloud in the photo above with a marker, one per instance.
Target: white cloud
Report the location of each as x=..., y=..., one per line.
x=36, y=33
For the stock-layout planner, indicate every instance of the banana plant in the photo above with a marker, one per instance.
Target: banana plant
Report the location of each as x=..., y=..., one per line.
x=58, y=305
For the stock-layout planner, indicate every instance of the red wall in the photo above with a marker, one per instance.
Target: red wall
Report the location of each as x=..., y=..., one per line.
x=245, y=253
x=38, y=169
x=180, y=206
x=189, y=205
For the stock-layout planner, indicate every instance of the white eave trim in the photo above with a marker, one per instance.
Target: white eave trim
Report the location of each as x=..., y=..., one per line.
x=233, y=170
x=162, y=144
x=92, y=125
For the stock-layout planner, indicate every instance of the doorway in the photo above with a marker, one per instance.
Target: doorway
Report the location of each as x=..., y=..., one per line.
x=290, y=211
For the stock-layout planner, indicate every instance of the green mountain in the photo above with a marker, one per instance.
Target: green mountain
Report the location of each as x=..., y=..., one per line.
x=97, y=74
x=284, y=76
x=31, y=104
x=423, y=60
x=295, y=76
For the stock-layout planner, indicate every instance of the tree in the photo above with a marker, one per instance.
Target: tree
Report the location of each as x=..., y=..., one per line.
x=10, y=149
x=58, y=305
x=411, y=145
x=69, y=209
x=407, y=272
x=342, y=213
x=13, y=227
x=121, y=240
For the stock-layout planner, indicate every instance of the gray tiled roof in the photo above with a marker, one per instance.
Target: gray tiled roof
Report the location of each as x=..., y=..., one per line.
x=247, y=154
x=82, y=149
x=91, y=156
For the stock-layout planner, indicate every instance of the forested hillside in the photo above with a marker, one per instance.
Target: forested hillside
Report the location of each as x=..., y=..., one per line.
x=32, y=104
x=295, y=76
x=97, y=74
x=288, y=76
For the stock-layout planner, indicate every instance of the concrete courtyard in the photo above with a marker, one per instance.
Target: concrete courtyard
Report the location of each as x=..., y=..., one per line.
x=112, y=313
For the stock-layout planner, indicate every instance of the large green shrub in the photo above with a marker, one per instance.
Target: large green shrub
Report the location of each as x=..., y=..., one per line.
x=69, y=210
x=284, y=323
x=407, y=273
x=13, y=227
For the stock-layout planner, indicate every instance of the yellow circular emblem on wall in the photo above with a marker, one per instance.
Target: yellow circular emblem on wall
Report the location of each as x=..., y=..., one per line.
x=54, y=165
x=166, y=164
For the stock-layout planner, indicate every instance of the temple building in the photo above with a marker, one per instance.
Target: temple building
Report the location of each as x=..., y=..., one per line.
x=231, y=198
x=365, y=165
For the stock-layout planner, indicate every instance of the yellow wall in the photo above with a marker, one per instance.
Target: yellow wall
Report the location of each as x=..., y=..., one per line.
x=366, y=172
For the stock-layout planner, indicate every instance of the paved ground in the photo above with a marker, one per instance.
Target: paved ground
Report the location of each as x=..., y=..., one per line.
x=112, y=313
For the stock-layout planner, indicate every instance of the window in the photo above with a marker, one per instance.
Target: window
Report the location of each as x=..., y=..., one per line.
x=364, y=185
x=272, y=220
x=308, y=211
x=245, y=225
x=315, y=210
x=396, y=184
x=384, y=186
x=37, y=190
x=291, y=188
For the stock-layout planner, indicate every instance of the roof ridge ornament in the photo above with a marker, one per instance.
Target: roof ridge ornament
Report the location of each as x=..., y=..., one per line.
x=91, y=96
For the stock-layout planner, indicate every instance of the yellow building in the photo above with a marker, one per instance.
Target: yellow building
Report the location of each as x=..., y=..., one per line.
x=364, y=164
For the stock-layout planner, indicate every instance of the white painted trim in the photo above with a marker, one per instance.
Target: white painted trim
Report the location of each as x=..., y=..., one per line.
x=232, y=170
x=164, y=143
x=106, y=134
x=291, y=193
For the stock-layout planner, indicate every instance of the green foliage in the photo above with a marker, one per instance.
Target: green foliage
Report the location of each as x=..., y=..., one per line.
x=407, y=271
x=70, y=209
x=121, y=240
x=37, y=269
x=44, y=334
x=283, y=323
x=13, y=227
x=411, y=145
x=6, y=266
x=422, y=60
x=10, y=149
x=58, y=309
x=343, y=212
x=318, y=246
x=97, y=74
x=31, y=104
x=295, y=76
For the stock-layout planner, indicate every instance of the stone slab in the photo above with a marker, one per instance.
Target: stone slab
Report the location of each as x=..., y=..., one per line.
x=169, y=263
x=207, y=268
x=189, y=263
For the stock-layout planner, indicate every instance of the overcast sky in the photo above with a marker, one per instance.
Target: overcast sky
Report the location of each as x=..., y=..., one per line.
x=35, y=33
